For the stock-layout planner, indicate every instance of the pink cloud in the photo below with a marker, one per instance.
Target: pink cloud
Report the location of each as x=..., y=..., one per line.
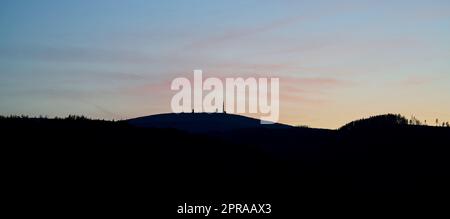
x=234, y=34
x=293, y=90
x=416, y=80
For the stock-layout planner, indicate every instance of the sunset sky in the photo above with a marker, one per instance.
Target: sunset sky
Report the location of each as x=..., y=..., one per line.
x=337, y=60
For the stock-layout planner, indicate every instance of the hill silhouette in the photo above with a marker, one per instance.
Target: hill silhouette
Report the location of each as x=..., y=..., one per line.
x=123, y=163
x=202, y=122
x=379, y=121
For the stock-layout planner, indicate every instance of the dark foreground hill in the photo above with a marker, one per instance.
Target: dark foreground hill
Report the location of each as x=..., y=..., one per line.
x=80, y=165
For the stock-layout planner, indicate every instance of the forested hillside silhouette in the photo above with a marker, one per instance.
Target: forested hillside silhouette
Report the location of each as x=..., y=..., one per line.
x=116, y=161
x=379, y=121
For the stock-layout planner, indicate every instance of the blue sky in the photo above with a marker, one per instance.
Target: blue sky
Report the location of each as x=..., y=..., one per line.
x=340, y=60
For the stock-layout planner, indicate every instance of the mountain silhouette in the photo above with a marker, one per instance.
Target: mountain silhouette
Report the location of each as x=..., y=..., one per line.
x=202, y=122
x=174, y=157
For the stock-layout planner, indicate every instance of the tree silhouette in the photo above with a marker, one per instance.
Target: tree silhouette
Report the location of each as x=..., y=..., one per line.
x=415, y=121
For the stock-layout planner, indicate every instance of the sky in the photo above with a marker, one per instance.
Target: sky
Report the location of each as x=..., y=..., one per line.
x=337, y=60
